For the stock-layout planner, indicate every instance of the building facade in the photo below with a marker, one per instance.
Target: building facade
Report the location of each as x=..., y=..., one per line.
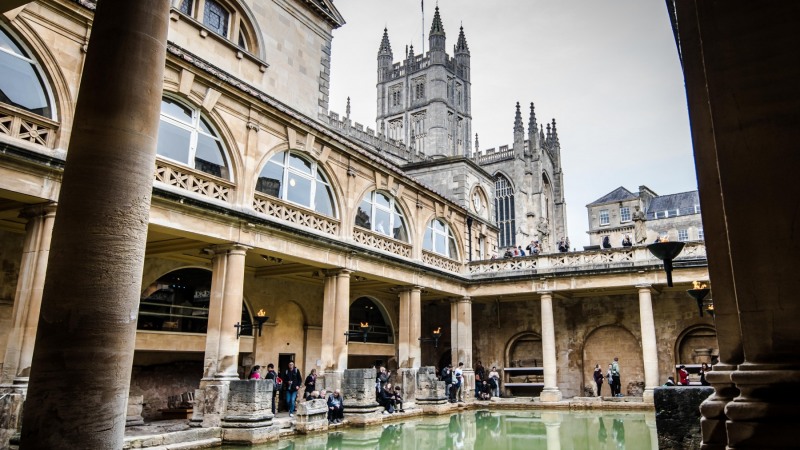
x=265, y=206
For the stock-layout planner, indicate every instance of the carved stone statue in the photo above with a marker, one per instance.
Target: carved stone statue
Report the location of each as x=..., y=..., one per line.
x=544, y=233
x=639, y=227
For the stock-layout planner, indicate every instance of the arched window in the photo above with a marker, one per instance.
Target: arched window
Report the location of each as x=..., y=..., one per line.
x=439, y=239
x=221, y=18
x=380, y=213
x=22, y=84
x=289, y=176
x=179, y=301
x=504, y=211
x=378, y=330
x=186, y=137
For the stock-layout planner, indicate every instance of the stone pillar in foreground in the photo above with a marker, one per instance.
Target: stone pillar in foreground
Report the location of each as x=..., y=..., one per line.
x=87, y=326
x=461, y=343
x=328, y=320
x=550, y=393
x=408, y=349
x=248, y=416
x=649, y=347
x=358, y=390
x=28, y=298
x=222, y=346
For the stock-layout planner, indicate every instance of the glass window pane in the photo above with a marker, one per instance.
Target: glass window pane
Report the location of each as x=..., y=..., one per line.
x=300, y=164
x=382, y=199
x=323, y=200
x=215, y=17
x=427, y=242
x=269, y=181
x=186, y=7
x=364, y=215
x=400, y=232
x=173, y=142
x=438, y=226
x=439, y=244
x=382, y=222
x=451, y=248
x=20, y=84
x=278, y=158
x=209, y=158
x=298, y=190
x=177, y=111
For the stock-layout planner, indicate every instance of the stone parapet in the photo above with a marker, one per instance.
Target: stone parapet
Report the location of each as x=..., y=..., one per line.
x=358, y=389
x=249, y=404
x=678, y=416
x=311, y=416
x=431, y=393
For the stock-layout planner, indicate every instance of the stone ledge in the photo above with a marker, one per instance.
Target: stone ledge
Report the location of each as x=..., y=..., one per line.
x=678, y=416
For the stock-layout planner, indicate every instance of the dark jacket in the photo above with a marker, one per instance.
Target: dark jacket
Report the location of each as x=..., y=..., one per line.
x=292, y=379
x=335, y=402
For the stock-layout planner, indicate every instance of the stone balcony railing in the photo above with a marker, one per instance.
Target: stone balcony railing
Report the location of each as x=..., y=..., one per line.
x=381, y=242
x=294, y=214
x=20, y=124
x=614, y=258
x=432, y=259
x=193, y=181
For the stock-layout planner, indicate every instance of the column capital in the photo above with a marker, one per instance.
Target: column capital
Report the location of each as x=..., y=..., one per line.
x=229, y=248
x=338, y=271
x=412, y=288
x=463, y=299
x=40, y=209
x=642, y=287
x=543, y=293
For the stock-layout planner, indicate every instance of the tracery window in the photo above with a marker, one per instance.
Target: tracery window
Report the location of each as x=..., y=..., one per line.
x=439, y=239
x=504, y=211
x=396, y=129
x=21, y=81
x=185, y=136
x=291, y=177
x=380, y=213
x=221, y=18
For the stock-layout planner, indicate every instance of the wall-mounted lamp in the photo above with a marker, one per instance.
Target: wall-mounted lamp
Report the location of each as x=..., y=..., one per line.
x=362, y=333
x=261, y=317
x=437, y=333
x=666, y=251
x=699, y=292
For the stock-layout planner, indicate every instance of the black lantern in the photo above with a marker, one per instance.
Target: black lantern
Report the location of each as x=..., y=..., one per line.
x=666, y=251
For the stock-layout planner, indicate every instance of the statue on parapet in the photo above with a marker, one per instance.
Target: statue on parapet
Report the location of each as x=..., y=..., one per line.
x=639, y=227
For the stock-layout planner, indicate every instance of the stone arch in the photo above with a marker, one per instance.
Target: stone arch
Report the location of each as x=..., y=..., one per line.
x=601, y=346
x=408, y=217
x=458, y=234
x=289, y=334
x=378, y=318
x=548, y=202
x=697, y=344
x=524, y=350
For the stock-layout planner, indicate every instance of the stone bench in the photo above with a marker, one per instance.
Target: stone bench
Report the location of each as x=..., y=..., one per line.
x=311, y=416
x=178, y=406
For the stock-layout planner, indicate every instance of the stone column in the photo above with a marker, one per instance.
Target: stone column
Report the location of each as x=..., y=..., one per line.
x=461, y=342
x=28, y=298
x=341, y=322
x=222, y=346
x=408, y=348
x=87, y=325
x=328, y=319
x=550, y=393
x=649, y=347
x=552, y=422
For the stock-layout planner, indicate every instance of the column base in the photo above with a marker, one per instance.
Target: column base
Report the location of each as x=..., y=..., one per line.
x=12, y=398
x=550, y=395
x=712, y=410
x=648, y=395
x=765, y=414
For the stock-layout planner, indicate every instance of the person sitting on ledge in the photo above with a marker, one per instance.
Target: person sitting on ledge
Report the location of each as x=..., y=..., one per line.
x=386, y=398
x=323, y=394
x=335, y=407
x=670, y=381
x=398, y=398
x=626, y=241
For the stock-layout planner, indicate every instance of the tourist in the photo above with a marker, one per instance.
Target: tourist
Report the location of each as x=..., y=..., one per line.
x=292, y=381
x=563, y=245
x=617, y=380
x=610, y=378
x=598, y=379
x=277, y=382
x=508, y=253
x=670, y=381
x=480, y=378
x=447, y=377
x=520, y=251
x=458, y=374
x=311, y=384
x=323, y=394
x=531, y=248
x=606, y=242
x=386, y=398
x=626, y=241
x=494, y=381
x=381, y=379
x=683, y=375
x=335, y=407
x=398, y=398
x=704, y=369
x=255, y=373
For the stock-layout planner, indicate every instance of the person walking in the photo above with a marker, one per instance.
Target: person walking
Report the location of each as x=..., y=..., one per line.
x=617, y=380
x=276, y=386
x=459, y=382
x=598, y=379
x=610, y=378
x=292, y=380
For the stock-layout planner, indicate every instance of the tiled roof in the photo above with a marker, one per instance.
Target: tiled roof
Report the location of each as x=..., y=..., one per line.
x=679, y=204
x=617, y=195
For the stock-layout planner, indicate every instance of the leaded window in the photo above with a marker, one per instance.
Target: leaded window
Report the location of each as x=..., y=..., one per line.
x=186, y=7
x=291, y=177
x=504, y=211
x=21, y=82
x=185, y=136
x=216, y=17
x=380, y=213
x=439, y=239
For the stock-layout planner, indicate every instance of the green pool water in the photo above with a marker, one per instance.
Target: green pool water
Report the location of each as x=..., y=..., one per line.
x=483, y=429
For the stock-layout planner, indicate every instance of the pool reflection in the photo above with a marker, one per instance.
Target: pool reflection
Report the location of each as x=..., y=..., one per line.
x=528, y=430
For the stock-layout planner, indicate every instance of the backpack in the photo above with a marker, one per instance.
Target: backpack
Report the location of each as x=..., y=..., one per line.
x=278, y=383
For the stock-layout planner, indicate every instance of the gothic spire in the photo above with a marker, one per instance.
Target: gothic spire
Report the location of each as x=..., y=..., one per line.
x=386, y=47
x=541, y=133
x=477, y=148
x=436, y=27
x=461, y=45
x=549, y=137
x=532, y=120
x=555, y=133
x=347, y=110
x=518, y=128
x=410, y=52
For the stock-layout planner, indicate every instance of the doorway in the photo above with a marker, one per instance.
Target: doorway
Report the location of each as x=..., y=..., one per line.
x=283, y=363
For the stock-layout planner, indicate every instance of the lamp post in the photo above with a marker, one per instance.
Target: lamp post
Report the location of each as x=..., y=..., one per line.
x=666, y=251
x=261, y=317
x=699, y=292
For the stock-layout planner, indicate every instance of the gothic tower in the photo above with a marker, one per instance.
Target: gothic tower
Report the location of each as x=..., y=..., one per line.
x=424, y=100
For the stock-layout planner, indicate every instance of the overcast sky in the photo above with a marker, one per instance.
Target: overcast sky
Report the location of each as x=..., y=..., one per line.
x=607, y=70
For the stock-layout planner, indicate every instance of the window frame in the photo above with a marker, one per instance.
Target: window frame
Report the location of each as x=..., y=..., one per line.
x=28, y=56
x=394, y=210
x=504, y=212
x=316, y=175
x=624, y=214
x=447, y=234
x=238, y=23
x=195, y=129
x=683, y=234
x=604, y=214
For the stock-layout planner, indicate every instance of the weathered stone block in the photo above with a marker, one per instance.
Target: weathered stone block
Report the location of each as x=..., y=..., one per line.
x=311, y=416
x=678, y=416
x=249, y=404
x=358, y=390
x=408, y=385
x=430, y=391
x=133, y=415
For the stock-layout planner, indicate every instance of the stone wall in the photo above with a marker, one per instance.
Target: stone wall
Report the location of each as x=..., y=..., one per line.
x=159, y=381
x=10, y=259
x=678, y=416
